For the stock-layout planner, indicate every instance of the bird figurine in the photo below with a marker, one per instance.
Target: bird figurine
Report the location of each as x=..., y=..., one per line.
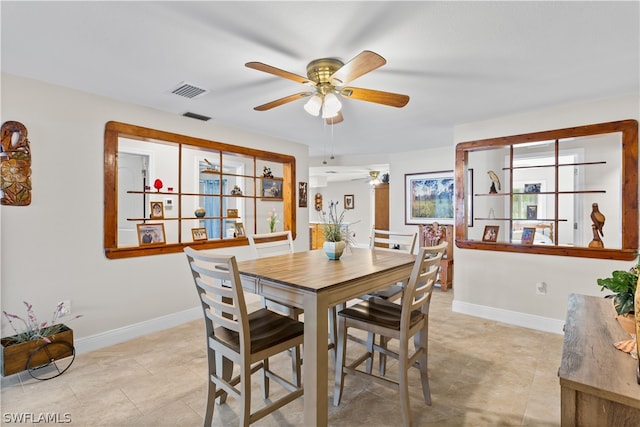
x=495, y=181
x=598, y=223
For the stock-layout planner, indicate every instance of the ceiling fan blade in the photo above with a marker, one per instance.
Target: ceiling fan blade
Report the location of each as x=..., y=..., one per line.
x=362, y=63
x=282, y=101
x=335, y=119
x=377, y=96
x=278, y=72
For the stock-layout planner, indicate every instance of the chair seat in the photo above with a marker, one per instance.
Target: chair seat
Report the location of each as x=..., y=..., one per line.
x=267, y=328
x=380, y=313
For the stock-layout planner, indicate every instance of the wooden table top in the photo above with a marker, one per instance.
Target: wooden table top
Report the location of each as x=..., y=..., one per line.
x=313, y=271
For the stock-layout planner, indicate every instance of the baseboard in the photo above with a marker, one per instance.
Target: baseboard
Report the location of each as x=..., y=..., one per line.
x=126, y=333
x=524, y=320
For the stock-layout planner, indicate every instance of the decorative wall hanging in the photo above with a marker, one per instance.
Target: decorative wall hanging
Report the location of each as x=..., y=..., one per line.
x=428, y=197
x=349, y=201
x=318, y=202
x=15, y=169
x=302, y=194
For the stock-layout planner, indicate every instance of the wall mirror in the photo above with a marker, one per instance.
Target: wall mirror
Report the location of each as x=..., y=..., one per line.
x=536, y=192
x=164, y=191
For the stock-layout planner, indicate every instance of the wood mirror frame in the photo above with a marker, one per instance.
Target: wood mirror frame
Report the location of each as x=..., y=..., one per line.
x=628, y=197
x=115, y=130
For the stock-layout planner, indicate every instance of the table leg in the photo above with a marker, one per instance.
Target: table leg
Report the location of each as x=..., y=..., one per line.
x=316, y=361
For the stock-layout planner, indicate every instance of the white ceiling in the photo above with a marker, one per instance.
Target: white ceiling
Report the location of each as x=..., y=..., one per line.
x=458, y=61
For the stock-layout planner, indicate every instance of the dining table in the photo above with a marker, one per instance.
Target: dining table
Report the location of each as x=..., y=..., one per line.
x=310, y=280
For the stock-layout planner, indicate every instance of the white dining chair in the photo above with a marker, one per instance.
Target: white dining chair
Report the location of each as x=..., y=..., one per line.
x=403, y=321
x=278, y=243
x=236, y=336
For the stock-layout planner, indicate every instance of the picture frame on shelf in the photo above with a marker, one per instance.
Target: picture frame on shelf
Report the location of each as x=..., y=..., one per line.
x=429, y=197
x=302, y=195
x=232, y=213
x=532, y=212
x=349, y=201
x=533, y=188
x=156, y=210
x=490, y=233
x=199, y=234
x=528, y=234
x=151, y=234
x=239, y=229
x=271, y=188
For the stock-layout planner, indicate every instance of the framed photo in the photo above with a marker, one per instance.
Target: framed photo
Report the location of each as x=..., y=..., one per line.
x=348, y=201
x=232, y=213
x=490, y=233
x=272, y=188
x=302, y=194
x=532, y=188
x=428, y=197
x=532, y=211
x=156, y=210
x=151, y=234
x=239, y=229
x=199, y=234
x=527, y=235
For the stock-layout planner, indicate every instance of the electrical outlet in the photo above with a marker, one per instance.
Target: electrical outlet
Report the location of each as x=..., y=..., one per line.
x=541, y=288
x=66, y=308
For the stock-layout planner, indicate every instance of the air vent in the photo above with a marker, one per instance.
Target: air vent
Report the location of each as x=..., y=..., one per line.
x=197, y=116
x=188, y=90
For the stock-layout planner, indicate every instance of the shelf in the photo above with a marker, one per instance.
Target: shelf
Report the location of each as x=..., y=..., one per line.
x=185, y=218
x=544, y=193
x=569, y=170
x=521, y=219
x=191, y=194
x=553, y=165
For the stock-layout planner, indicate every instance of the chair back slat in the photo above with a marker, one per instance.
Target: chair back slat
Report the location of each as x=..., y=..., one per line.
x=218, y=284
x=385, y=239
x=270, y=244
x=230, y=323
x=417, y=294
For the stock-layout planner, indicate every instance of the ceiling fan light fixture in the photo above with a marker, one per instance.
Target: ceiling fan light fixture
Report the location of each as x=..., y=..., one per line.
x=313, y=105
x=331, y=106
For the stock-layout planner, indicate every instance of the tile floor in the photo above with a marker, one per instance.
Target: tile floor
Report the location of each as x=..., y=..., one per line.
x=482, y=373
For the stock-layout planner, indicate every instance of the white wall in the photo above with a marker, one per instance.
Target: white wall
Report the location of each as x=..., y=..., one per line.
x=52, y=250
x=501, y=285
x=359, y=217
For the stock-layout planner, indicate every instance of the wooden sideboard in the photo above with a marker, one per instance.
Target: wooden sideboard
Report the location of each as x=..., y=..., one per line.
x=433, y=234
x=598, y=384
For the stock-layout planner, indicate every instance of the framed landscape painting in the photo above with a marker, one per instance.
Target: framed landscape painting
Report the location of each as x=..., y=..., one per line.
x=428, y=197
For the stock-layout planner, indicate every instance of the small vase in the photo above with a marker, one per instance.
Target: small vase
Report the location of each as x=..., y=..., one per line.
x=199, y=212
x=334, y=250
x=272, y=228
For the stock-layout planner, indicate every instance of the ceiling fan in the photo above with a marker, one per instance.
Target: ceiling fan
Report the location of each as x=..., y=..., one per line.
x=328, y=77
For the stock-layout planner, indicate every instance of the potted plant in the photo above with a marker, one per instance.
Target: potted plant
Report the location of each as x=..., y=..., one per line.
x=334, y=243
x=36, y=344
x=623, y=286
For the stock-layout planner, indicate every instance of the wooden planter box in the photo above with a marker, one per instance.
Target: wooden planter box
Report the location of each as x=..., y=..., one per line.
x=15, y=356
